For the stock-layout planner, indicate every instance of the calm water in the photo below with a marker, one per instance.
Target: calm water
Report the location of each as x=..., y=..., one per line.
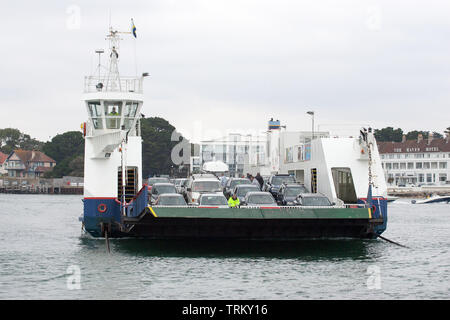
x=40, y=238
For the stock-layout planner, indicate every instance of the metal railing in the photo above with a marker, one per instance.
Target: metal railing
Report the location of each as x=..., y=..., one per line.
x=123, y=84
x=276, y=207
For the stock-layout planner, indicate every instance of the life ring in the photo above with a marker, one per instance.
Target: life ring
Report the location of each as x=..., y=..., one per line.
x=102, y=208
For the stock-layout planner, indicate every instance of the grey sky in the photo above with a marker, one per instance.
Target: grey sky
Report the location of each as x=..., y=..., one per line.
x=233, y=64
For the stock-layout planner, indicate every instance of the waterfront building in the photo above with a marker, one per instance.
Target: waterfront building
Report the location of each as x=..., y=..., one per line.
x=285, y=151
x=195, y=164
x=416, y=162
x=234, y=150
x=3, y=157
x=28, y=164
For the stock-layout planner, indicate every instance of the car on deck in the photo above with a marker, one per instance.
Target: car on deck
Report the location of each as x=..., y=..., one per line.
x=288, y=192
x=312, y=200
x=233, y=182
x=170, y=199
x=151, y=181
x=276, y=181
x=259, y=199
x=212, y=200
x=241, y=190
x=198, y=186
x=161, y=188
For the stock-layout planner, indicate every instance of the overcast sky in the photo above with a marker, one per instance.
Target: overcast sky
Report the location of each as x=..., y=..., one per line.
x=230, y=65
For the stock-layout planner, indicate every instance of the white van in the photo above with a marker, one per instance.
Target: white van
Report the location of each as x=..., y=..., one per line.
x=198, y=186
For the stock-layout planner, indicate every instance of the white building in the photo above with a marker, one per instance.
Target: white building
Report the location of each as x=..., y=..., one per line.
x=285, y=151
x=195, y=164
x=3, y=163
x=416, y=161
x=234, y=150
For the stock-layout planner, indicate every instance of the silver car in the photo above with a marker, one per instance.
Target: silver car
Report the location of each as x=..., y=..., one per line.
x=259, y=199
x=161, y=188
x=170, y=199
x=212, y=200
x=197, y=187
x=313, y=200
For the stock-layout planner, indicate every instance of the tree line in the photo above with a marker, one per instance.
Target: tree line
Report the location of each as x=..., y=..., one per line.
x=396, y=135
x=67, y=149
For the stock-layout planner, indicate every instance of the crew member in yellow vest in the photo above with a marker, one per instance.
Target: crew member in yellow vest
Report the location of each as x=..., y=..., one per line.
x=233, y=201
x=114, y=122
x=113, y=112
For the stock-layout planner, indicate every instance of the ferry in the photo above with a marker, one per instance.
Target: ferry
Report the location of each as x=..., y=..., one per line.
x=116, y=200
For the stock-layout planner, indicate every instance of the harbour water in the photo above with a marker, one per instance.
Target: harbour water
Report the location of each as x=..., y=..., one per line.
x=42, y=247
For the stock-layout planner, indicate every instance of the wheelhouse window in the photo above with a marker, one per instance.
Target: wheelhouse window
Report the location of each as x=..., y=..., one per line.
x=129, y=114
x=96, y=114
x=113, y=110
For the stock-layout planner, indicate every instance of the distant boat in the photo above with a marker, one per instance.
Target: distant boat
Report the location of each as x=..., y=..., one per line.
x=433, y=199
x=391, y=198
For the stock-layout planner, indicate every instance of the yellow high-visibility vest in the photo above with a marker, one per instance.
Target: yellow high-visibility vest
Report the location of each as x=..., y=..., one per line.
x=233, y=203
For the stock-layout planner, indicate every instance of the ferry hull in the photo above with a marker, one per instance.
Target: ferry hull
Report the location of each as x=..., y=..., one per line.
x=253, y=224
x=265, y=223
x=100, y=213
x=179, y=228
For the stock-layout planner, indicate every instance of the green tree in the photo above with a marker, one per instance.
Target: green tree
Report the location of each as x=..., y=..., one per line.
x=76, y=166
x=66, y=149
x=412, y=135
x=389, y=134
x=11, y=139
x=157, y=147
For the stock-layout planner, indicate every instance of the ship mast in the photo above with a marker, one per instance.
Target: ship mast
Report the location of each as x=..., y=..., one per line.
x=113, y=77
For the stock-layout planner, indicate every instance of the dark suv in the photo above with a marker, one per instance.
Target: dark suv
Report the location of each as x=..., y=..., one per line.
x=289, y=192
x=231, y=183
x=276, y=181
